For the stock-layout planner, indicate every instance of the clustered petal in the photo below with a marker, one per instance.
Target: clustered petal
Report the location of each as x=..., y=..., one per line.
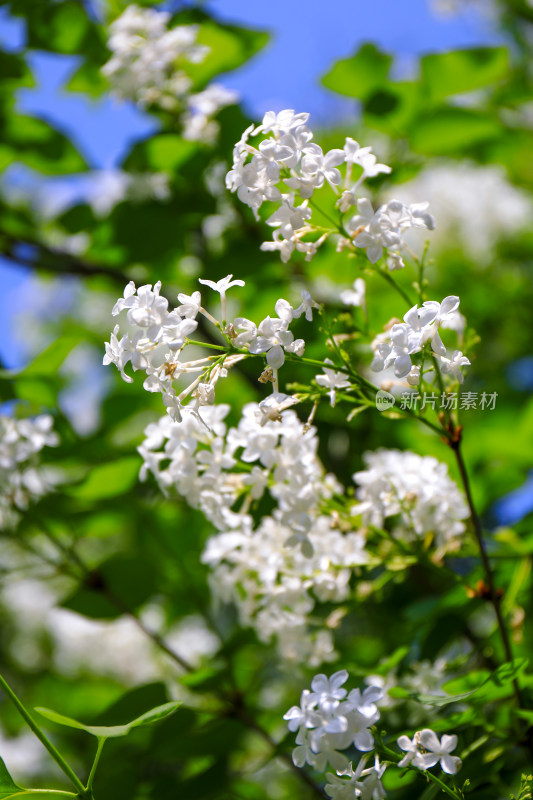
x=159, y=336
x=150, y=65
x=420, y=328
x=274, y=571
x=414, y=491
x=22, y=479
x=328, y=721
x=290, y=159
x=425, y=751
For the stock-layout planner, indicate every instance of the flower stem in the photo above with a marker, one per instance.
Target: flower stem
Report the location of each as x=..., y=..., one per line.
x=489, y=575
x=101, y=741
x=45, y=741
x=26, y=792
x=390, y=280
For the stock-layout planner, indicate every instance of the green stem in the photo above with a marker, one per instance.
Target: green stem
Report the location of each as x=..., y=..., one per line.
x=25, y=792
x=101, y=741
x=390, y=280
x=56, y=755
x=369, y=387
x=421, y=264
x=330, y=219
x=207, y=344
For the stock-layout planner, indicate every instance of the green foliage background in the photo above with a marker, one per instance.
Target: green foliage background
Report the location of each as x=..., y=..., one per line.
x=126, y=545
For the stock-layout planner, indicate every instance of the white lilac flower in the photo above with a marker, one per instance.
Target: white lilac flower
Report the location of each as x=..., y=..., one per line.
x=150, y=65
x=290, y=158
x=332, y=381
x=385, y=228
x=356, y=295
x=221, y=287
x=327, y=692
x=411, y=747
x=420, y=327
x=363, y=157
x=306, y=307
x=149, y=60
x=303, y=715
x=274, y=339
x=157, y=339
x=425, y=751
x=346, y=784
x=274, y=580
x=476, y=206
x=452, y=366
x=198, y=122
x=319, y=167
x=415, y=491
x=329, y=722
x=289, y=218
x=438, y=751
x=22, y=479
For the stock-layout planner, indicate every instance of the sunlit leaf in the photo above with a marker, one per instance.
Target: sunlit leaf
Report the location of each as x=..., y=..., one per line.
x=112, y=731
x=360, y=75
x=7, y=784
x=451, y=130
x=458, y=71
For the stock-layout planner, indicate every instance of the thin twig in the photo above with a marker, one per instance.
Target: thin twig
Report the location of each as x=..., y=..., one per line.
x=489, y=575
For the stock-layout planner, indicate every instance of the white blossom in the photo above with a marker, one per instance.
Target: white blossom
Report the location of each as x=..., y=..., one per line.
x=290, y=158
x=385, y=228
x=332, y=381
x=328, y=722
x=149, y=61
x=22, y=479
x=420, y=327
x=275, y=572
x=356, y=295
x=415, y=491
x=476, y=205
x=425, y=751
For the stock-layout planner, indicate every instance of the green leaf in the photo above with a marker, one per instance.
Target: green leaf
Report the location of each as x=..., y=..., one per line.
x=450, y=130
x=40, y=381
x=108, y=480
x=39, y=145
x=113, y=731
x=493, y=687
x=166, y=151
x=14, y=71
x=88, y=80
x=48, y=362
x=446, y=74
x=61, y=27
x=230, y=46
x=393, y=107
x=360, y=75
x=134, y=703
x=7, y=784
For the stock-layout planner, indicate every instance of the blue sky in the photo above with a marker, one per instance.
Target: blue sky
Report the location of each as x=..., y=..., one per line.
x=305, y=41
x=306, y=38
